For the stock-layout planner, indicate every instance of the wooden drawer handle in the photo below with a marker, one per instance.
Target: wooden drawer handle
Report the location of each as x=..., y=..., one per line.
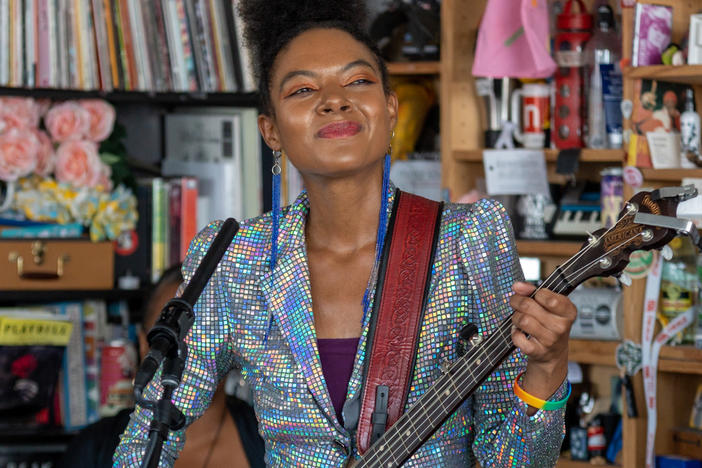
x=37, y=275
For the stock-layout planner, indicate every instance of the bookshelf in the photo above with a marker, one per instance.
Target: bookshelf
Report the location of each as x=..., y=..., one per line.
x=462, y=140
x=171, y=98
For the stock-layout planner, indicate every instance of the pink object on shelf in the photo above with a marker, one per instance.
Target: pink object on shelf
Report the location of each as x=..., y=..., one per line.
x=513, y=42
x=652, y=32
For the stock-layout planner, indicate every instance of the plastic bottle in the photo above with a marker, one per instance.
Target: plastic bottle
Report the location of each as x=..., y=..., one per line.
x=679, y=287
x=689, y=132
x=603, y=48
x=573, y=31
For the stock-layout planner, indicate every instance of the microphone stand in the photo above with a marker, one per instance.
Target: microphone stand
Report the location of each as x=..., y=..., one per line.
x=167, y=346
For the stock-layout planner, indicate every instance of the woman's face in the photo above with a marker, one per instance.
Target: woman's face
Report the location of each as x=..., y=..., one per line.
x=330, y=113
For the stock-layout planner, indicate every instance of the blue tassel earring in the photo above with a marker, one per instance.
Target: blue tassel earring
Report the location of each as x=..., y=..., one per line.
x=275, y=217
x=382, y=228
x=275, y=213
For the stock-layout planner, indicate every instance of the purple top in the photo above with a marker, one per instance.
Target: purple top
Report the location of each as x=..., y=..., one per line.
x=337, y=356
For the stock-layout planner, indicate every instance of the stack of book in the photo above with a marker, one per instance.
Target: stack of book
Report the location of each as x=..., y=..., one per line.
x=133, y=45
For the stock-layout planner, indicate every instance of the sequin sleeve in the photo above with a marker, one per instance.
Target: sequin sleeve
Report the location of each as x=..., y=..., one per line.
x=505, y=436
x=209, y=359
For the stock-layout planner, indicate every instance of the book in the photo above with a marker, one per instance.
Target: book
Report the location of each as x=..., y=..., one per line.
x=219, y=188
x=73, y=390
x=71, y=230
x=159, y=228
x=4, y=42
x=223, y=47
x=188, y=214
x=30, y=45
x=197, y=143
x=251, y=155
x=133, y=248
x=112, y=44
x=175, y=45
x=102, y=45
x=652, y=32
x=94, y=322
x=32, y=345
x=174, y=219
x=657, y=108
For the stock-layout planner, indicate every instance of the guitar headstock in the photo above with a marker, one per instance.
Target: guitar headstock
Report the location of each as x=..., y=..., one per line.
x=607, y=251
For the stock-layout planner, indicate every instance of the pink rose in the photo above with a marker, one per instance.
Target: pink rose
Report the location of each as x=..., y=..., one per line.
x=45, y=154
x=18, y=154
x=18, y=112
x=67, y=121
x=102, y=118
x=77, y=163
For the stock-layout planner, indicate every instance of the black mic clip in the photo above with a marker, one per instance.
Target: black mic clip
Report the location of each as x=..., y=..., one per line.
x=165, y=339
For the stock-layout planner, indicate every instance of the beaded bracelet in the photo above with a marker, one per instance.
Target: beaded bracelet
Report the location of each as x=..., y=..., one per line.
x=538, y=403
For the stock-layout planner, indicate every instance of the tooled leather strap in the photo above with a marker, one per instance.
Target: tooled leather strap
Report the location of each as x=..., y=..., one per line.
x=403, y=283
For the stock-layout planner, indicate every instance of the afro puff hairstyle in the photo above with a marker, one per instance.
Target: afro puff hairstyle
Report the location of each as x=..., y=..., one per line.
x=270, y=25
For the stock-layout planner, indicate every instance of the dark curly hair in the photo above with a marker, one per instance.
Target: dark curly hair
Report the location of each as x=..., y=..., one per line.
x=270, y=25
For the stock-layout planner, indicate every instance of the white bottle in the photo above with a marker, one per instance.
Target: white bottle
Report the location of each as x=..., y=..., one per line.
x=689, y=132
x=604, y=47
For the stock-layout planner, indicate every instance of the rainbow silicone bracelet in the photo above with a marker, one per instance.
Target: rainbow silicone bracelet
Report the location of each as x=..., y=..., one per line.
x=538, y=403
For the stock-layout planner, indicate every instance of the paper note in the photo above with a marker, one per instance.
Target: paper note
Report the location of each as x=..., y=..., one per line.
x=515, y=172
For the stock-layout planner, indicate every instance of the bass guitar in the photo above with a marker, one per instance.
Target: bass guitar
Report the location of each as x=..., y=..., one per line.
x=648, y=221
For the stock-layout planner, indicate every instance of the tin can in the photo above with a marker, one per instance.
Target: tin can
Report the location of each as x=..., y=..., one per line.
x=611, y=195
x=117, y=371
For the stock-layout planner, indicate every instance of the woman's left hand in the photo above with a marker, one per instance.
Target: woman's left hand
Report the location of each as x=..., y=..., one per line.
x=546, y=318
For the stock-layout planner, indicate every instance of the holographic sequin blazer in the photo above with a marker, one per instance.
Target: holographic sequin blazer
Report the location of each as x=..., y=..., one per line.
x=261, y=320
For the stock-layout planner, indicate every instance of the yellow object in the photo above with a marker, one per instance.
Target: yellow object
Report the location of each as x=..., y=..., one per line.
x=415, y=97
x=536, y=402
x=16, y=331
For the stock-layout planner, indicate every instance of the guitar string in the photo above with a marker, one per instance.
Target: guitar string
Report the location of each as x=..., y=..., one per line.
x=503, y=327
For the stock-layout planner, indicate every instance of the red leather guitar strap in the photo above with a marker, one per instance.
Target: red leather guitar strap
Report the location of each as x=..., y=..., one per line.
x=400, y=298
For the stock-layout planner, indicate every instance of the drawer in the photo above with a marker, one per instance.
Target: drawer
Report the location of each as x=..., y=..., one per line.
x=56, y=264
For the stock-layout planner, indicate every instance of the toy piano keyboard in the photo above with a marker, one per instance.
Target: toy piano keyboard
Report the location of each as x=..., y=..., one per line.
x=577, y=220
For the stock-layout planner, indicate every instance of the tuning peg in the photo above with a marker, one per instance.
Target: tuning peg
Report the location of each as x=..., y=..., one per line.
x=591, y=238
x=667, y=252
x=625, y=279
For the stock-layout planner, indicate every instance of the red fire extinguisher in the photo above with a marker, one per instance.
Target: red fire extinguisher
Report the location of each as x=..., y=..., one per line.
x=569, y=45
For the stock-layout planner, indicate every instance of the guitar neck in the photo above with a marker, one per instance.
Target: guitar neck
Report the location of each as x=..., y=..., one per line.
x=456, y=384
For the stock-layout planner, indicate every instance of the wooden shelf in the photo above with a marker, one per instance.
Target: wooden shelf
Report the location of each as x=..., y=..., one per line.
x=564, y=462
x=686, y=74
x=681, y=360
x=66, y=295
x=669, y=175
x=592, y=351
x=169, y=98
x=548, y=248
x=586, y=156
x=673, y=359
x=414, y=68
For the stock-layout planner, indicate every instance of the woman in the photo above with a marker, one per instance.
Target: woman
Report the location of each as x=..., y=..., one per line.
x=279, y=302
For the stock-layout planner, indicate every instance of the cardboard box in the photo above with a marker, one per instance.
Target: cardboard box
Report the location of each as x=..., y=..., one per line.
x=48, y=264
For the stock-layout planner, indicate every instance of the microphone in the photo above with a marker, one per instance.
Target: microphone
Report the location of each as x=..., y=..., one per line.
x=177, y=316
